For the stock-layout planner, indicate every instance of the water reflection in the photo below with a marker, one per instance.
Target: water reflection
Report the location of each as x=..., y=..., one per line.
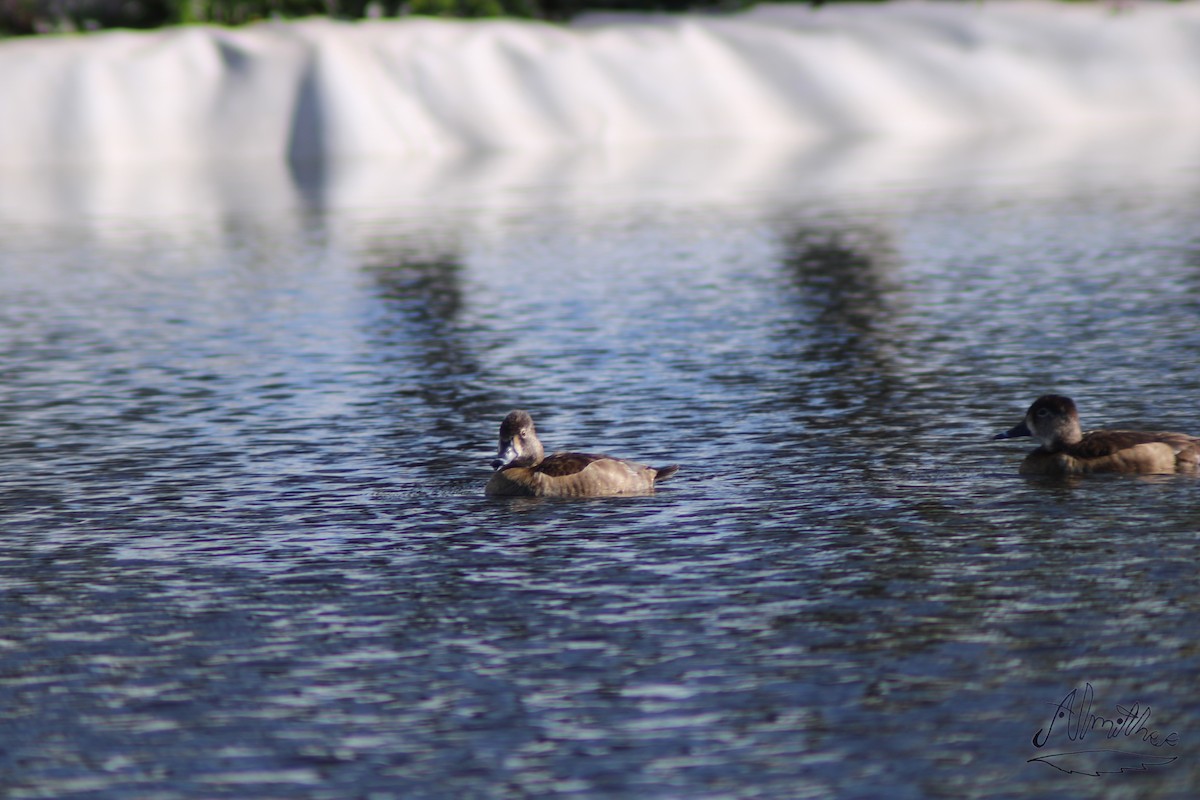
x=845, y=287
x=439, y=392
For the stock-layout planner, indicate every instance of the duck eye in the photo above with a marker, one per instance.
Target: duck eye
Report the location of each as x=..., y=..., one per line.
x=1043, y=412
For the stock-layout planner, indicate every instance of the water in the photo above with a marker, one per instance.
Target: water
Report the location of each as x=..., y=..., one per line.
x=247, y=416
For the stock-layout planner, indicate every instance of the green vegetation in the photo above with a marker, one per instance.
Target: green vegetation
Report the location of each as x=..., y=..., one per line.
x=23, y=17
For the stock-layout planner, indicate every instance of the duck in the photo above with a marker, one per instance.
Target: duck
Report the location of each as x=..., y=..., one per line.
x=521, y=469
x=1065, y=449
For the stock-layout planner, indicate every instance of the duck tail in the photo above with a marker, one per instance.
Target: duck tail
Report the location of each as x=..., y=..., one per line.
x=662, y=473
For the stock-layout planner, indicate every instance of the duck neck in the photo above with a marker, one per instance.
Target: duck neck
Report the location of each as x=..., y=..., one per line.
x=1070, y=435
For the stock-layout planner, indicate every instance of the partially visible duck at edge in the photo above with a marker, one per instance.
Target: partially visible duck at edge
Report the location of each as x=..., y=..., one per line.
x=523, y=471
x=1065, y=449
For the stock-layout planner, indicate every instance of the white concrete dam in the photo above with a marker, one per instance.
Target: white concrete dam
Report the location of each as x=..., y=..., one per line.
x=324, y=89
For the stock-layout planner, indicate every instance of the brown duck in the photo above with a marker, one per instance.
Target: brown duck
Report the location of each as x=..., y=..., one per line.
x=1065, y=449
x=523, y=471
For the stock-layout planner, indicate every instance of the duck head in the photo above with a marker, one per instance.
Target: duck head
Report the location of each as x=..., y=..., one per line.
x=519, y=443
x=1052, y=421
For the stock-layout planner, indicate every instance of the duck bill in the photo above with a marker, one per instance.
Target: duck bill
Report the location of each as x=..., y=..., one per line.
x=507, y=454
x=1015, y=432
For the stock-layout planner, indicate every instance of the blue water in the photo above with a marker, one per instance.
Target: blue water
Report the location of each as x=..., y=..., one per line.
x=245, y=423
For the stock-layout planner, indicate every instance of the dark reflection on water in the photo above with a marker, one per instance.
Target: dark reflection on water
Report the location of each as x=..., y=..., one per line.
x=245, y=550
x=847, y=289
x=429, y=358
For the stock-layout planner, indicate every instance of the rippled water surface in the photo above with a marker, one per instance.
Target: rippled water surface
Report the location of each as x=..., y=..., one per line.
x=247, y=413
